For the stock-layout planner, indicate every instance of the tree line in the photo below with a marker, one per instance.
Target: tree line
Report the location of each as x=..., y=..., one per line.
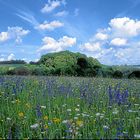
x=67, y=63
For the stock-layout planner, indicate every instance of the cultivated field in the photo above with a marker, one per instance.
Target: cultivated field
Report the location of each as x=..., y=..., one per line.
x=69, y=107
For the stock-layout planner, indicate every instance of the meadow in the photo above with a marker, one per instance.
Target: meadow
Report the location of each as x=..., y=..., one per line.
x=69, y=108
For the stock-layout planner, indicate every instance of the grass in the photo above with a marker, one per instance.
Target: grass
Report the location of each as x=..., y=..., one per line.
x=69, y=108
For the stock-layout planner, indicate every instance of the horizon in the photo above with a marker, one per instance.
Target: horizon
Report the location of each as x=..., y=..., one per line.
x=106, y=30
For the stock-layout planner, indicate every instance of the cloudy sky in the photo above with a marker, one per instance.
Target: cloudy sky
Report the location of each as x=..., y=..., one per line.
x=108, y=30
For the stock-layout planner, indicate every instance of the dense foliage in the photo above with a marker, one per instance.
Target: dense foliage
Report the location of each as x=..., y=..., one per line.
x=68, y=63
x=69, y=108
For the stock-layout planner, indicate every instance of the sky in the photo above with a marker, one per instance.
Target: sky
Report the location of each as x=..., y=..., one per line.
x=108, y=30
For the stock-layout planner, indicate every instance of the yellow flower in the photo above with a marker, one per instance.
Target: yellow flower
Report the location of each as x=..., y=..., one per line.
x=18, y=101
x=56, y=120
x=21, y=114
x=28, y=105
x=79, y=123
x=45, y=117
x=46, y=126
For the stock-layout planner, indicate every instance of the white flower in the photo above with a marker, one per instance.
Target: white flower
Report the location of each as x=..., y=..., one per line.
x=75, y=118
x=43, y=107
x=65, y=121
x=136, y=104
x=69, y=110
x=34, y=126
x=137, y=136
x=105, y=127
x=115, y=112
x=64, y=105
x=102, y=116
x=78, y=105
x=77, y=109
x=98, y=114
x=9, y=119
x=77, y=114
x=13, y=102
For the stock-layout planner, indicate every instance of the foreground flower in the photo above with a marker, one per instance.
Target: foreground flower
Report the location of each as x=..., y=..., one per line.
x=28, y=105
x=45, y=118
x=137, y=136
x=43, y=107
x=34, y=126
x=46, y=126
x=65, y=121
x=18, y=101
x=79, y=123
x=21, y=114
x=9, y=119
x=56, y=120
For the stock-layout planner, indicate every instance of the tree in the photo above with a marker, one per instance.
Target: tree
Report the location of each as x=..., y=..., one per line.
x=69, y=63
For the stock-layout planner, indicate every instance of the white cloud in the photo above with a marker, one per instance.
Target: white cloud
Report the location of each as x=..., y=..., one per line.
x=118, y=42
x=101, y=36
x=15, y=33
x=11, y=57
x=61, y=14
x=92, y=47
x=52, y=45
x=122, y=32
x=51, y=5
x=50, y=26
x=2, y=59
x=3, y=36
x=125, y=27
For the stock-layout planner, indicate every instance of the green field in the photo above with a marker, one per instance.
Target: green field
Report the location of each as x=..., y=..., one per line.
x=69, y=108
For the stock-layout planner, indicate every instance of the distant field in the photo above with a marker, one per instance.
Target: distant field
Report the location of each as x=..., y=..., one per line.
x=12, y=65
x=69, y=108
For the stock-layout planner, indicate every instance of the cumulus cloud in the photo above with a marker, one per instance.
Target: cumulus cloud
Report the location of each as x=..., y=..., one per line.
x=101, y=36
x=61, y=14
x=118, y=42
x=50, y=26
x=51, y=5
x=11, y=57
x=92, y=47
x=3, y=36
x=125, y=27
x=15, y=33
x=52, y=45
x=2, y=59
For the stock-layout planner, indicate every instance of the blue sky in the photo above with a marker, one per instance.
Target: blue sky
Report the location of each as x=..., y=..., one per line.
x=108, y=30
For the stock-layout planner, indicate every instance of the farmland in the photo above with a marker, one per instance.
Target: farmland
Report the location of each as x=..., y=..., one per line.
x=69, y=107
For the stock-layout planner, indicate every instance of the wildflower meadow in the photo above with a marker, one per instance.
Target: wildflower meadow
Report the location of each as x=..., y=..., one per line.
x=69, y=108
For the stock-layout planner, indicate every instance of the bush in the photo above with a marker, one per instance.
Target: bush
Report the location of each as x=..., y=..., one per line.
x=39, y=71
x=134, y=74
x=118, y=74
x=19, y=71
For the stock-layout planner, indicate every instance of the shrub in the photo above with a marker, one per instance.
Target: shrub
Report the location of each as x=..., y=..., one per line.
x=19, y=71
x=118, y=74
x=39, y=71
x=134, y=74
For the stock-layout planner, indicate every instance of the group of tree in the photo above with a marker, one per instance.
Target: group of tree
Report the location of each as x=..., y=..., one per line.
x=13, y=62
x=67, y=63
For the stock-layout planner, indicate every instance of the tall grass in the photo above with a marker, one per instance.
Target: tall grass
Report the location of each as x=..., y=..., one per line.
x=69, y=108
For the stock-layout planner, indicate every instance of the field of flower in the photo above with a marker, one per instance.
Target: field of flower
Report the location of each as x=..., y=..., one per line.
x=69, y=108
